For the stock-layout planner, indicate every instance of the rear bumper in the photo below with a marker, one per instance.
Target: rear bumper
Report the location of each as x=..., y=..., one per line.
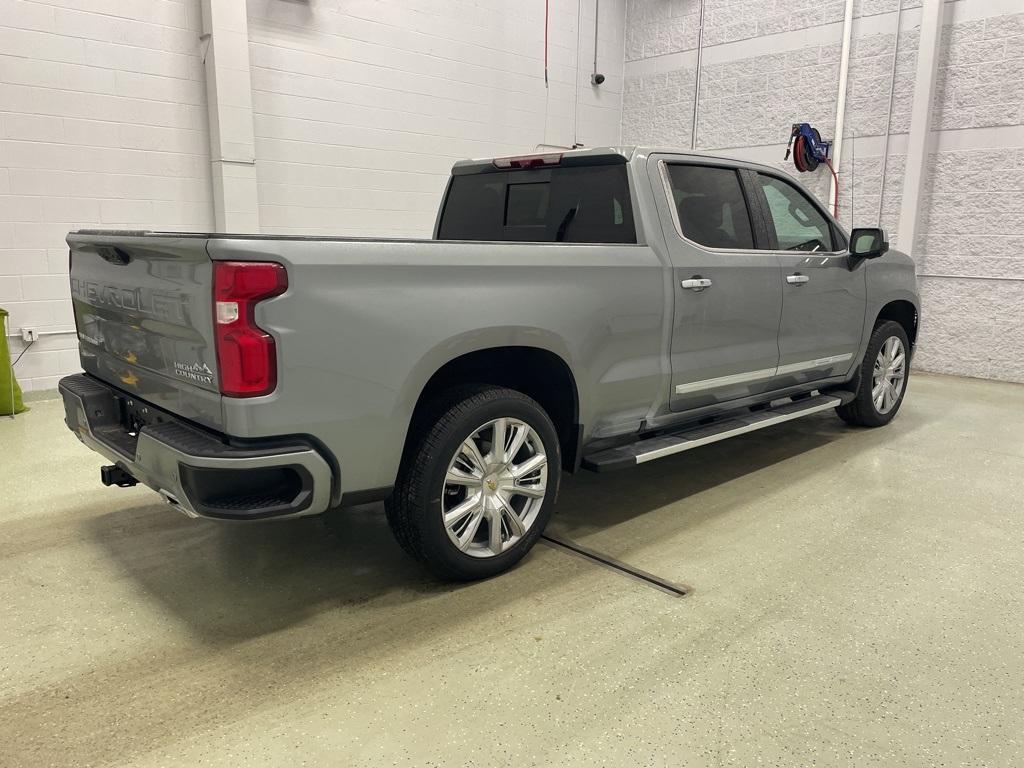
x=197, y=471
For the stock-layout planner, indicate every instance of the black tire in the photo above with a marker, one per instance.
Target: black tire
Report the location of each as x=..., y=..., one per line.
x=414, y=509
x=862, y=410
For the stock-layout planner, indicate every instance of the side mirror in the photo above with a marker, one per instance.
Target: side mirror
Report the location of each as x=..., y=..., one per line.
x=868, y=243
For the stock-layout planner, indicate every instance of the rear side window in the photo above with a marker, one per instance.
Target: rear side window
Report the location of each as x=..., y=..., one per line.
x=711, y=206
x=581, y=204
x=799, y=225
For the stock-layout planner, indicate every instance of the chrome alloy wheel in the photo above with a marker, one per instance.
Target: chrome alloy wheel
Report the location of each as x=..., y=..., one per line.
x=889, y=375
x=494, y=487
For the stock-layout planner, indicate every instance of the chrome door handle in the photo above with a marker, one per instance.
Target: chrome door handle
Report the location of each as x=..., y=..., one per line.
x=696, y=283
x=797, y=279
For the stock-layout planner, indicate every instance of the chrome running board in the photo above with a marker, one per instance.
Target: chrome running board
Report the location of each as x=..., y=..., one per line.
x=667, y=444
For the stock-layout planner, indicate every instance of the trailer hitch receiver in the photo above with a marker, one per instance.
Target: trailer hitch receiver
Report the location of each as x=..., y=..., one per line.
x=114, y=475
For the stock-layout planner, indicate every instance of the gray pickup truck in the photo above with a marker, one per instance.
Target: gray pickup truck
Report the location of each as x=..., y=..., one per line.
x=593, y=309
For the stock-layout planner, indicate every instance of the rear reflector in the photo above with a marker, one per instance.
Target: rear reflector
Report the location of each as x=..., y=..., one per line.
x=528, y=161
x=246, y=355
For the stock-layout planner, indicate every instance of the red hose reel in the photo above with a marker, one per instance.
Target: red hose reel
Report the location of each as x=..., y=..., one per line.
x=809, y=151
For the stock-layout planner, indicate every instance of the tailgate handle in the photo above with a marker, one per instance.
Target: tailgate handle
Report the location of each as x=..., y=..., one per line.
x=113, y=254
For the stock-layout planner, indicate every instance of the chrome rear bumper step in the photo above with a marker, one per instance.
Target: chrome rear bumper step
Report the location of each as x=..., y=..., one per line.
x=666, y=444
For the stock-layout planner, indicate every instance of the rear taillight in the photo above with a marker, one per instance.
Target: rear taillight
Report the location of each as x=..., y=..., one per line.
x=246, y=357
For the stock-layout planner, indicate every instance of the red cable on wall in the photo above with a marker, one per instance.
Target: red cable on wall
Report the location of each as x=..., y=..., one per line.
x=835, y=197
x=546, y=42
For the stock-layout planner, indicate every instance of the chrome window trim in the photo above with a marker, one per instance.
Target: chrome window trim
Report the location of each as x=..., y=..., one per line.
x=670, y=199
x=761, y=374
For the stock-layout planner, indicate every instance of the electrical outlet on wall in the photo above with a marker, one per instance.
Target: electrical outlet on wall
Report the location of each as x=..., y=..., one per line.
x=29, y=334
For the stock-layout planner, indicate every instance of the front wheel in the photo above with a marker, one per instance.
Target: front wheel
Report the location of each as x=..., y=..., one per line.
x=882, y=378
x=476, y=488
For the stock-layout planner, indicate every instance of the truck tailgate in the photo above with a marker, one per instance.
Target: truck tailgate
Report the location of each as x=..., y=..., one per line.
x=144, y=311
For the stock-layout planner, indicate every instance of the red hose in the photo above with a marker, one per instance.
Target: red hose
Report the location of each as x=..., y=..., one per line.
x=835, y=197
x=546, y=42
x=800, y=154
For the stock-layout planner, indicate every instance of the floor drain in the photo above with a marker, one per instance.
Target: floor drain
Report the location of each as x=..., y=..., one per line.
x=676, y=590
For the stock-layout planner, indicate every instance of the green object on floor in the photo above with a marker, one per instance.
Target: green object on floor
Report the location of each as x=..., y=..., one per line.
x=10, y=392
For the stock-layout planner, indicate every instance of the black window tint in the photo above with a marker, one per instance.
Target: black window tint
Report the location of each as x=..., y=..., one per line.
x=526, y=205
x=582, y=204
x=799, y=225
x=474, y=208
x=712, y=209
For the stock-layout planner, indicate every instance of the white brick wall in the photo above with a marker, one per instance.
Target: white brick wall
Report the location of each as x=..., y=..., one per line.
x=102, y=124
x=658, y=27
x=764, y=70
x=360, y=108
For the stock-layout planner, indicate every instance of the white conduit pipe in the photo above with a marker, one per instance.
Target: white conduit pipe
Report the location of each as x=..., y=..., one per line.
x=42, y=333
x=844, y=69
x=696, y=84
x=888, y=114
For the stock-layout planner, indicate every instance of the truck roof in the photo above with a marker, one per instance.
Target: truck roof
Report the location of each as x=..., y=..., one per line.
x=609, y=153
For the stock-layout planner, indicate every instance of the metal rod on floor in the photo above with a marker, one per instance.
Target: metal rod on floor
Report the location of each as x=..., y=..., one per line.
x=676, y=590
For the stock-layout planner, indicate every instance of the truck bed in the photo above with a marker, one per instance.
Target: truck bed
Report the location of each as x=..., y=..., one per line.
x=362, y=327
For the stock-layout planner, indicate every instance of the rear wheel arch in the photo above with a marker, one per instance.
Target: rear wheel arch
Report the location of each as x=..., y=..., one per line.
x=467, y=503
x=539, y=373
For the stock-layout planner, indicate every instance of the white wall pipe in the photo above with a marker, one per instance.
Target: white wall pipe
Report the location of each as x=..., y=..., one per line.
x=43, y=333
x=696, y=81
x=229, y=106
x=919, y=140
x=888, y=114
x=844, y=69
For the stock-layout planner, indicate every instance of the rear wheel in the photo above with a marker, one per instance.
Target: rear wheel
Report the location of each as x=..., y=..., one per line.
x=882, y=378
x=476, y=488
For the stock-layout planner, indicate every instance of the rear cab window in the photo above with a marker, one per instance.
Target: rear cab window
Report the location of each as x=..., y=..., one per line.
x=567, y=204
x=710, y=204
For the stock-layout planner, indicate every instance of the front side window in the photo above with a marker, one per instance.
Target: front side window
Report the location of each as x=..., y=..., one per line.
x=799, y=225
x=711, y=206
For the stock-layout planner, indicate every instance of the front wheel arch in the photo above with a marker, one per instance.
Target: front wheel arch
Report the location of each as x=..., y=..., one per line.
x=861, y=411
x=903, y=312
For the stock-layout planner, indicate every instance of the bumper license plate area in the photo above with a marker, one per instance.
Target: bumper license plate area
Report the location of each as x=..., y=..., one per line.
x=132, y=415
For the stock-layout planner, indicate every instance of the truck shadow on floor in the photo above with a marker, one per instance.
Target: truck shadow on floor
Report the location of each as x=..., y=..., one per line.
x=231, y=582
x=592, y=502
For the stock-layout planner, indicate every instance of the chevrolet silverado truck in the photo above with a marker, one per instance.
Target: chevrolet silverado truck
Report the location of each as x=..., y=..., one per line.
x=593, y=309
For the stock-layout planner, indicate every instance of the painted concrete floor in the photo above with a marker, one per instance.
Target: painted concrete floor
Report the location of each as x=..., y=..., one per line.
x=858, y=601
